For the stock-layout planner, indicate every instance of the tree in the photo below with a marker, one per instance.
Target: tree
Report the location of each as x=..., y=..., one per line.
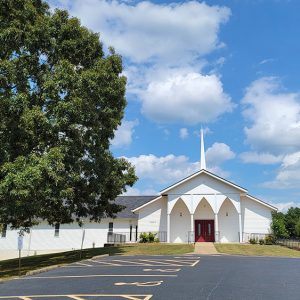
x=291, y=218
x=278, y=225
x=297, y=229
x=61, y=99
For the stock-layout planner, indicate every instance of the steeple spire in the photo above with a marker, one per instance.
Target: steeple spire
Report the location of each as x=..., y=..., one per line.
x=202, y=158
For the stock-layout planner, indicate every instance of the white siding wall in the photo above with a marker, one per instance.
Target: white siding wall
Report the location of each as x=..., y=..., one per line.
x=70, y=236
x=153, y=217
x=255, y=216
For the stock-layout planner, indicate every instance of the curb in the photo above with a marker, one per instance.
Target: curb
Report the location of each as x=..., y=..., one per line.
x=42, y=270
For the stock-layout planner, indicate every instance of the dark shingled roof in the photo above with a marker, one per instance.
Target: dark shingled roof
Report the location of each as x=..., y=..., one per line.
x=130, y=203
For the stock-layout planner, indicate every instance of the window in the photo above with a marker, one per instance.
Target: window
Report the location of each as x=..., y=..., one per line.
x=199, y=229
x=110, y=227
x=3, y=231
x=209, y=229
x=56, y=230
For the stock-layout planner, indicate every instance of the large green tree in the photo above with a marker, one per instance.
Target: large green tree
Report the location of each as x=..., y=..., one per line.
x=61, y=99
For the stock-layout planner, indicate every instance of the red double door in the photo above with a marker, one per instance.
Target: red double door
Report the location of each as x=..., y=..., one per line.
x=204, y=231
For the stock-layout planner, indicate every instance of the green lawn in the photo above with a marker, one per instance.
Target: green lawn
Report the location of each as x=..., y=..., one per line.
x=256, y=250
x=9, y=268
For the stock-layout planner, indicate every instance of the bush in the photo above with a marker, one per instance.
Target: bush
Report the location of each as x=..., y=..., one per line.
x=269, y=240
x=148, y=237
x=144, y=237
x=261, y=241
x=253, y=241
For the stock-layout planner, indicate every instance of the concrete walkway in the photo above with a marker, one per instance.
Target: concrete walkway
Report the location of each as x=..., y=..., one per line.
x=205, y=248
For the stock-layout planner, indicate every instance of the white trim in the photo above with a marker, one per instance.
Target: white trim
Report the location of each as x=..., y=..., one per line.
x=207, y=173
x=142, y=206
x=261, y=202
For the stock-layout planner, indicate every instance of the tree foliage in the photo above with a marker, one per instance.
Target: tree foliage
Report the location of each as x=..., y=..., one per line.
x=61, y=99
x=286, y=225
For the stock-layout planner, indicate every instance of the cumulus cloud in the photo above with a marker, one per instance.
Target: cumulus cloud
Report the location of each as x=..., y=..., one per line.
x=171, y=168
x=164, y=46
x=284, y=206
x=163, y=169
x=132, y=191
x=260, y=158
x=183, y=133
x=124, y=133
x=190, y=98
x=288, y=175
x=273, y=115
x=146, y=31
x=218, y=153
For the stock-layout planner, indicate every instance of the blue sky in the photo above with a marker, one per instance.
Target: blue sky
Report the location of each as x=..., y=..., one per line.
x=231, y=67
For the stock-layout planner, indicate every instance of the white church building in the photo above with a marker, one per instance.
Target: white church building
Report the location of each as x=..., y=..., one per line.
x=202, y=207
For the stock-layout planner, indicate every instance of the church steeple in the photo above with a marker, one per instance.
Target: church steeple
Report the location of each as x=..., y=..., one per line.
x=202, y=157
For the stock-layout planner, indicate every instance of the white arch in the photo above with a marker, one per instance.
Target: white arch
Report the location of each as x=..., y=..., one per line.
x=204, y=210
x=179, y=222
x=228, y=218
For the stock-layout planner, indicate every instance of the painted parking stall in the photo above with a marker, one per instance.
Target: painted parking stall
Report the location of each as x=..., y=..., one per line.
x=117, y=277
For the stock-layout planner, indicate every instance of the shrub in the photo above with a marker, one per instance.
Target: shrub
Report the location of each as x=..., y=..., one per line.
x=269, y=240
x=148, y=237
x=253, y=241
x=144, y=237
x=261, y=241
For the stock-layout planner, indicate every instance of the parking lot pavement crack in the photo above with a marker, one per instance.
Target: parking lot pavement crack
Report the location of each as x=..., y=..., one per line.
x=215, y=287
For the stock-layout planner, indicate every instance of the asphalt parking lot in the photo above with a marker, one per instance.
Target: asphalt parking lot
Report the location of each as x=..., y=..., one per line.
x=163, y=277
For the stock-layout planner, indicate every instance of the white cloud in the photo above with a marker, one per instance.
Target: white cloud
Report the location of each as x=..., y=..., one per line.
x=183, y=133
x=260, y=158
x=124, y=133
x=165, y=47
x=190, y=98
x=146, y=31
x=288, y=175
x=284, y=206
x=165, y=169
x=218, y=153
x=274, y=117
x=170, y=168
x=132, y=191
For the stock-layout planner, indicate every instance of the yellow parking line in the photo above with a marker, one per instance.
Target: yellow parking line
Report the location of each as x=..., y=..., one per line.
x=104, y=263
x=188, y=263
x=161, y=262
x=79, y=263
x=194, y=264
x=80, y=296
x=131, y=262
x=75, y=297
x=97, y=275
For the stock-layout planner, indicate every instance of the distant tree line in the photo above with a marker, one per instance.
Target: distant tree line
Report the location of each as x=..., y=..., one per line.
x=286, y=225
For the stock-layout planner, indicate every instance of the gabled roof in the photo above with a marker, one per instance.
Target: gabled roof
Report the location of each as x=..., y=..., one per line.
x=261, y=202
x=131, y=203
x=209, y=174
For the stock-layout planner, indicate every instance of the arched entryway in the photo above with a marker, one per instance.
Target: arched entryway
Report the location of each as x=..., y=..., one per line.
x=228, y=222
x=204, y=224
x=180, y=223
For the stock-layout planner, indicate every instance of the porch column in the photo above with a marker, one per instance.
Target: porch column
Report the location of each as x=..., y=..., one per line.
x=217, y=234
x=168, y=228
x=240, y=228
x=191, y=238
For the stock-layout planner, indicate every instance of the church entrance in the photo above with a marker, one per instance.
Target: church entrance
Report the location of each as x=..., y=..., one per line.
x=204, y=231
